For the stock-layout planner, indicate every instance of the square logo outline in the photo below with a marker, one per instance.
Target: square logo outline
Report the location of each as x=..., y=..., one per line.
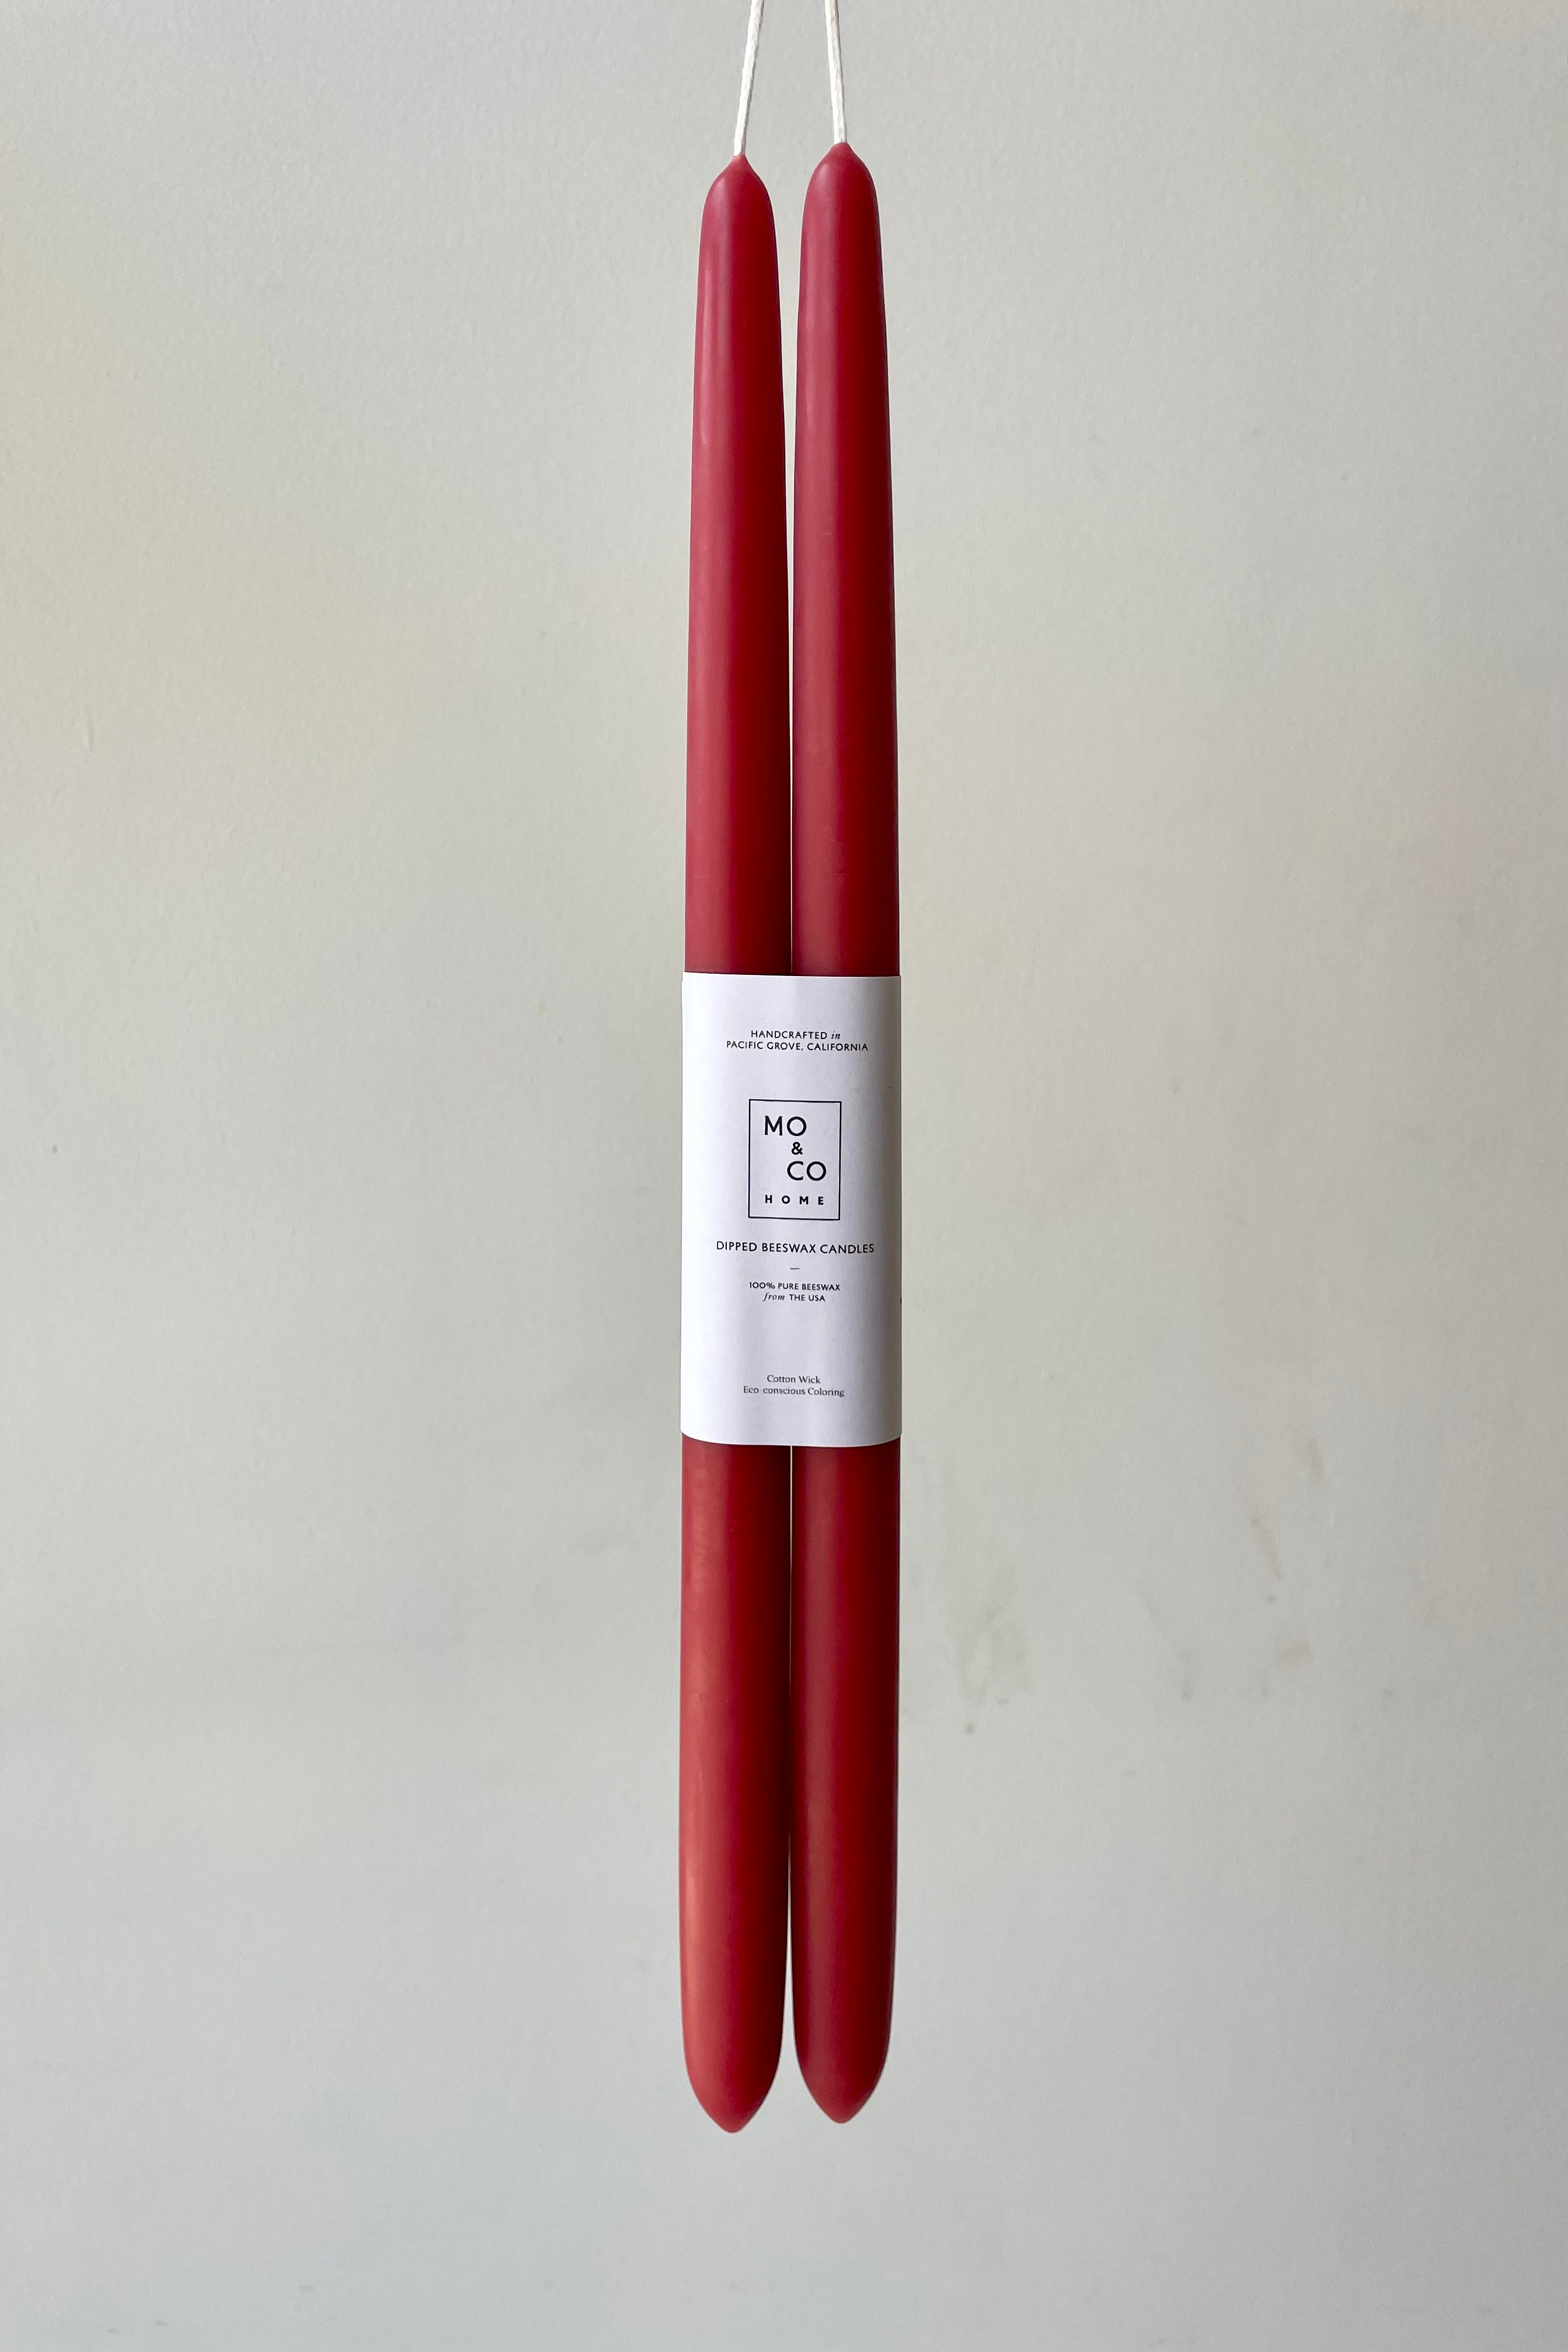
x=778, y=1217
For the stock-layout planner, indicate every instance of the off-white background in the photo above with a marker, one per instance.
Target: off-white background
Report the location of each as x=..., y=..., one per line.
x=344, y=385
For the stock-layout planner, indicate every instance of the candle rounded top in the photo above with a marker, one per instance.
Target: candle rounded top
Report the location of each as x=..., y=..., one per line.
x=736, y=193
x=842, y=174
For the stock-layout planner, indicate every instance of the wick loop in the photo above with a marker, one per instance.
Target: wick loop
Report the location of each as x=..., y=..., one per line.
x=749, y=73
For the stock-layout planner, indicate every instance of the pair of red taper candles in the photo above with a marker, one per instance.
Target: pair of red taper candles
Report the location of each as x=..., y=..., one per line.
x=790, y=1560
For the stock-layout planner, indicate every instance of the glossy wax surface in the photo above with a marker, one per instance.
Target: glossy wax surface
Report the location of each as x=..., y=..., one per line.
x=737, y=708
x=844, y=1636
x=734, y=1586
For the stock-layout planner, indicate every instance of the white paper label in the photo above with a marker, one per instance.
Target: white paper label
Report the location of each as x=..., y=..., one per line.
x=790, y=1255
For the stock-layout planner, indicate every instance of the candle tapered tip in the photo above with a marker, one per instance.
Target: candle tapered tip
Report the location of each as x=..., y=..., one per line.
x=729, y=2103
x=842, y=2091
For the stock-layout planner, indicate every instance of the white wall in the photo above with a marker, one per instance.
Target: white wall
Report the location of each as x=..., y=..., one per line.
x=344, y=384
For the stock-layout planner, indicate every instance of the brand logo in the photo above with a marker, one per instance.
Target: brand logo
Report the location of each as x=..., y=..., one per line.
x=795, y=1157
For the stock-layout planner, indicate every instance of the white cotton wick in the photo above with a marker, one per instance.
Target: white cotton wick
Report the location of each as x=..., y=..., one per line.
x=834, y=72
x=748, y=74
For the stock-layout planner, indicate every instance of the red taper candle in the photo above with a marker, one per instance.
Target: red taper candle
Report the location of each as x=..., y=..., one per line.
x=735, y=1502
x=845, y=1639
